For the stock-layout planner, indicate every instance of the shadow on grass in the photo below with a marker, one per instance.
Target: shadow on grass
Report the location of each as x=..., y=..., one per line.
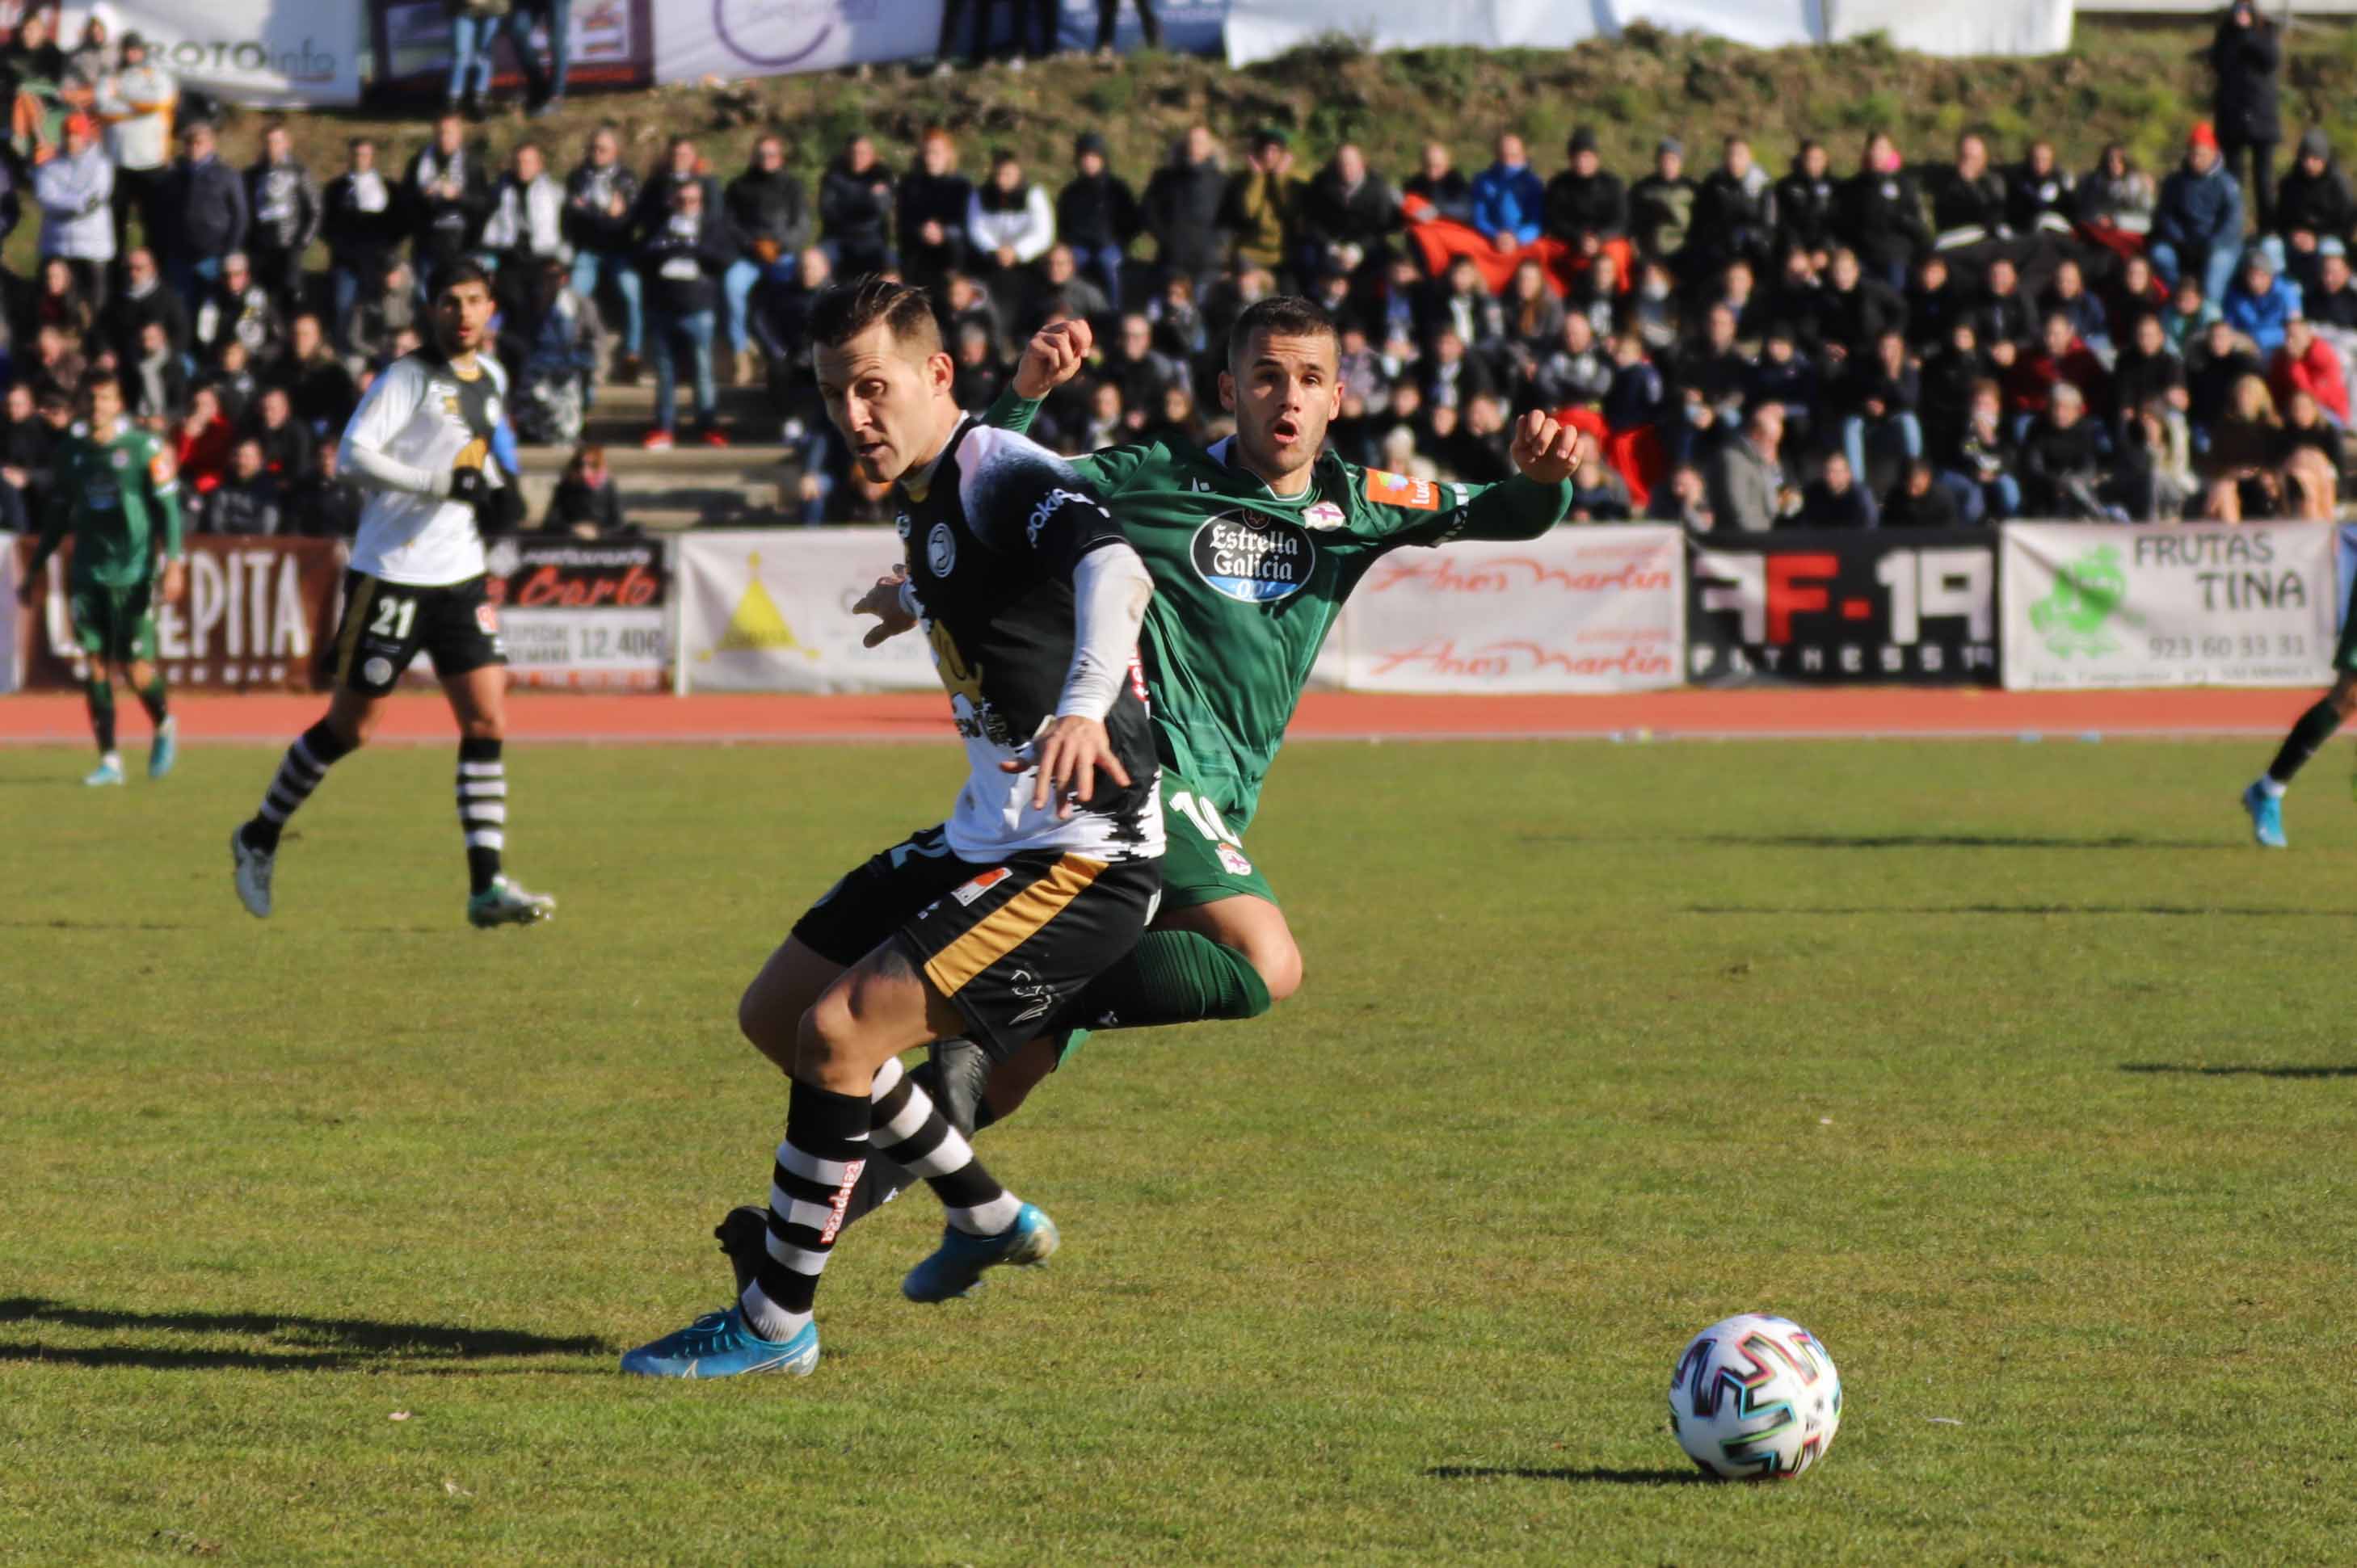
x=309, y=1343
x=2170, y=909
x=95, y=926
x=1591, y=1476
x=1955, y=840
x=2197, y=1070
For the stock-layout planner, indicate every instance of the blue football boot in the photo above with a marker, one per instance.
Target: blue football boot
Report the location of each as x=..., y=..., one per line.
x=165, y=749
x=957, y=1263
x=108, y=771
x=719, y=1345
x=2266, y=816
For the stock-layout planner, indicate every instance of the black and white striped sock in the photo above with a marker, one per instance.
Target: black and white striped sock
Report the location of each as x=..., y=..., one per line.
x=305, y=764
x=910, y=1132
x=482, y=809
x=817, y=1167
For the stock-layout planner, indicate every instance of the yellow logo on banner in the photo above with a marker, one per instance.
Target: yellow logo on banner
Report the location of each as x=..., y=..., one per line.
x=755, y=626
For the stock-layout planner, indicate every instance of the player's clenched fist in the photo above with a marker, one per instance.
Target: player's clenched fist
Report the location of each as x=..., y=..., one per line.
x=884, y=601
x=1053, y=357
x=1546, y=453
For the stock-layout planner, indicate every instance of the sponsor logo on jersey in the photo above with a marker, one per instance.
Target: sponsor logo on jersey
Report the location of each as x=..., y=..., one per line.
x=1387, y=489
x=940, y=550
x=1256, y=559
x=974, y=889
x=1323, y=518
x=1047, y=508
x=119, y=457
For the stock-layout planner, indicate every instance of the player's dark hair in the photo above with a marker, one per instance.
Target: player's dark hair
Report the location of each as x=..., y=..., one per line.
x=1280, y=315
x=846, y=310
x=458, y=273
x=93, y=379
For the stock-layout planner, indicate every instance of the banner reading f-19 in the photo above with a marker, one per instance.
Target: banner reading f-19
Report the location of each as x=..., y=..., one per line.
x=1912, y=606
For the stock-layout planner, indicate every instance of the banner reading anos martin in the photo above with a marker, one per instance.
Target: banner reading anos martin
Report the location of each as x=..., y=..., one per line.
x=1582, y=609
x=2197, y=604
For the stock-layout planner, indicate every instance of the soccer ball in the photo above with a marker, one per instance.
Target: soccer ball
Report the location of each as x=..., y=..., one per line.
x=1755, y=1398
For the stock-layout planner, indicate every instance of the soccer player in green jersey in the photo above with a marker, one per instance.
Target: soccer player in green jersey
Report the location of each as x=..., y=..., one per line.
x=1254, y=543
x=114, y=485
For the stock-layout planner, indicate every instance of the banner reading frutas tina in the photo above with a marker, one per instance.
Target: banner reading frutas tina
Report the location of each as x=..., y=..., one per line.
x=2197, y=605
x=1579, y=610
x=260, y=53
x=583, y=614
x=256, y=613
x=1911, y=606
x=770, y=611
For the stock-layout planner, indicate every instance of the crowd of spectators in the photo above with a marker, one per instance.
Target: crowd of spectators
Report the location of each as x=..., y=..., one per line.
x=1866, y=342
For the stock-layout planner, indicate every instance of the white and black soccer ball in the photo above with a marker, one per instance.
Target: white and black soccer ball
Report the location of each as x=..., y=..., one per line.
x=1755, y=1398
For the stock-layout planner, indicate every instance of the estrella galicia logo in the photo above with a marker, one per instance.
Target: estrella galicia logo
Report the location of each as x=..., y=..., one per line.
x=1258, y=560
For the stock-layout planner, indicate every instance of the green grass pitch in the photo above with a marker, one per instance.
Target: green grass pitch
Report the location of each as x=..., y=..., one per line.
x=2012, y=1071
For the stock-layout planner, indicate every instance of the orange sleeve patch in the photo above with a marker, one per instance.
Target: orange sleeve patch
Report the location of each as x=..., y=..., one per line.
x=1387, y=489
x=161, y=468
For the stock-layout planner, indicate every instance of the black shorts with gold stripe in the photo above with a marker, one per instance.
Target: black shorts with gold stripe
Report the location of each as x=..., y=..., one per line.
x=1007, y=943
x=387, y=625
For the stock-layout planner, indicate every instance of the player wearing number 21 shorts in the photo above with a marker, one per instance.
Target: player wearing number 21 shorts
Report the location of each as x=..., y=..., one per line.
x=424, y=443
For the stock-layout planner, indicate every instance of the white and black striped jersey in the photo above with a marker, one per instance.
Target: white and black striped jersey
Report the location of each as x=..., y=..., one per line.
x=420, y=420
x=993, y=536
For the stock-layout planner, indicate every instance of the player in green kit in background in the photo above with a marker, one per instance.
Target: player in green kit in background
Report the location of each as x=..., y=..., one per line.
x=115, y=484
x=1253, y=545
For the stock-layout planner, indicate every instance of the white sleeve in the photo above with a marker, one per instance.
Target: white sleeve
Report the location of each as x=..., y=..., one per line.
x=391, y=404
x=1109, y=587
x=978, y=231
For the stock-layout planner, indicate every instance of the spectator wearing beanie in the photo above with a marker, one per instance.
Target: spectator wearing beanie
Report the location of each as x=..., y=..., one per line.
x=2197, y=223
x=2312, y=205
x=75, y=190
x=1586, y=206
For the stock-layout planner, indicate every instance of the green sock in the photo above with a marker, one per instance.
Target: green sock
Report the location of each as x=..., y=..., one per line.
x=1173, y=977
x=98, y=696
x=153, y=699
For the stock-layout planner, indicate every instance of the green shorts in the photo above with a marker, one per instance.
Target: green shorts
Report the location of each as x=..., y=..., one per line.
x=1203, y=861
x=114, y=625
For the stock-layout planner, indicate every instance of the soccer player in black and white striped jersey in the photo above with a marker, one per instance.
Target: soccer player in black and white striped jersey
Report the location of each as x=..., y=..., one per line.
x=421, y=444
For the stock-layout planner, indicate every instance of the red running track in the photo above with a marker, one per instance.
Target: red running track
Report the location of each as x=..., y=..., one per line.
x=1785, y=713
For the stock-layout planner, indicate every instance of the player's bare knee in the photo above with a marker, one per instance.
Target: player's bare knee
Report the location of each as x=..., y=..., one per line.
x=482, y=728
x=827, y=1037
x=2344, y=699
x=772, y=1031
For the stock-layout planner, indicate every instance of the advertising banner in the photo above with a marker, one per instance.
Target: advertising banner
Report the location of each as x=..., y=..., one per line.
x=1914, y=606
x=770, y=611
x=1580, y=610
x=11, y=658
x=729, y=39
x=2197, y=604
x=247, y=52
x=612, y=45
x=582, y=615
x=256, y=613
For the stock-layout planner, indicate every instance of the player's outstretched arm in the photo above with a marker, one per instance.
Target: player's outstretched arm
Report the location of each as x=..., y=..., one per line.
x=164, y=491
x=1053, y=357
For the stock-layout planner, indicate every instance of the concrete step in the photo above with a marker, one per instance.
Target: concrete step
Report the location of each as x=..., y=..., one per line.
x=689, y=457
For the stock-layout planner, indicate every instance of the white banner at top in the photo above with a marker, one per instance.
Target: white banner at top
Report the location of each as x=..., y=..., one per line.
x=731, y=38
x=247, y=52
x=1262, y=29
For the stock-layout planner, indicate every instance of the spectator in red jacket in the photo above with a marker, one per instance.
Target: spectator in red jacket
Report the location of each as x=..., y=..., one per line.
x=2060, y=357
x=2307, y=363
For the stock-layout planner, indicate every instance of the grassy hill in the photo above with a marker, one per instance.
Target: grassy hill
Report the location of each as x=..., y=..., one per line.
x=2139, y=83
